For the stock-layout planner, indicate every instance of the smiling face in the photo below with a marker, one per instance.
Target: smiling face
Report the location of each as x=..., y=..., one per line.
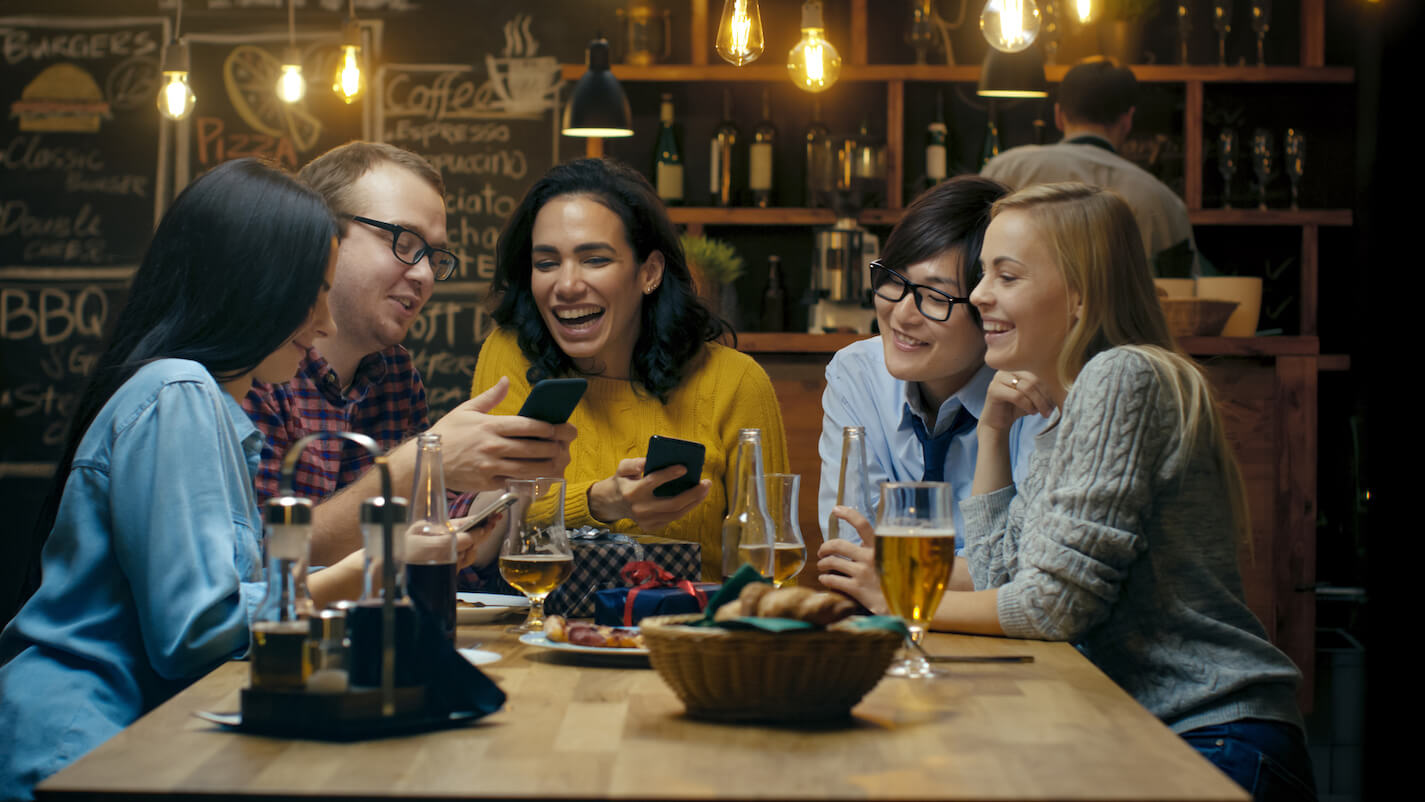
x=939, y=355
x=1024, y=303
x=588, y=283
x=376, y=297
x=281, y=365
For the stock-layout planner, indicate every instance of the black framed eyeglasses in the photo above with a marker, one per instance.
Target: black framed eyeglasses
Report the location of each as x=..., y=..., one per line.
x=409, y=247
x=892, y=286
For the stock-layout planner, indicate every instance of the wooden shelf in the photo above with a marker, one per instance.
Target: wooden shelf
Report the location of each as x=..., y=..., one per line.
x=1271, y=217
x=750, y=216
x=1148, y=73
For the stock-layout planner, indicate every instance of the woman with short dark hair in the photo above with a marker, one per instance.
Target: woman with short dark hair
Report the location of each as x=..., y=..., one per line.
x=591, y=280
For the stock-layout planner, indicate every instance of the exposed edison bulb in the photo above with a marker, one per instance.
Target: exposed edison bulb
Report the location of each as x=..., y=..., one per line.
x=813, y=61
x=1084, y=10
x=291, y=86
x=175, y=99
x=349, y=84
x=739, y=33
x=1010, y=25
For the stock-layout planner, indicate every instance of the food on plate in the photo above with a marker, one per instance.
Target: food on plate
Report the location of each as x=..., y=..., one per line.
x=583, y=633
x=761, y=600
x=463, y=603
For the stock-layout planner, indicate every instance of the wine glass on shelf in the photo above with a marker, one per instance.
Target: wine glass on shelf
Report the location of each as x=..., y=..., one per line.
x=1262, y=163
x=1295, y=147
x=789, y=551
x=1227, y=162
x=1184, y=29
x=915, y=550
x=1222, y=23
x=1261, y=23
x=535, y=557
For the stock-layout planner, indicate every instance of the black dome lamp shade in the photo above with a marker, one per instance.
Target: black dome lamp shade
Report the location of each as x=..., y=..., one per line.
x=598, y=107
x=1013, y=74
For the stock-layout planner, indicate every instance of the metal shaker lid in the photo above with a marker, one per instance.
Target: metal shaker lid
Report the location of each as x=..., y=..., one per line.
x=371, y=510
x=288, y=510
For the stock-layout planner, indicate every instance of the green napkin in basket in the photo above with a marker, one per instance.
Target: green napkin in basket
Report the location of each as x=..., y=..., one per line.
x=732, y=588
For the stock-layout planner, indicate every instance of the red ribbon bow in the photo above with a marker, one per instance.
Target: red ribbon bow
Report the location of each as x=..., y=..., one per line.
x=643, y=574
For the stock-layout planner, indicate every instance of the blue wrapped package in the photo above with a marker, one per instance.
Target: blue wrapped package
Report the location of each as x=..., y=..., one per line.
x=611, y=605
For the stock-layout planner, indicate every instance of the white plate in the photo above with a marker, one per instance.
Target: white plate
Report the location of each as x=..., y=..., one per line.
x=606, y=653
x=479, y=657
x=496, y=607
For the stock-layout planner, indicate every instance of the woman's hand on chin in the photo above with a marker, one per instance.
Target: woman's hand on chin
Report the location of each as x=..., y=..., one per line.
x=1012, y=394
x=629, y=494
x=850, y=568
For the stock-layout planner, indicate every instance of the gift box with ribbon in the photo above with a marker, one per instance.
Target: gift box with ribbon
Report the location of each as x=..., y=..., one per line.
x=652, y=591
x=599, y=558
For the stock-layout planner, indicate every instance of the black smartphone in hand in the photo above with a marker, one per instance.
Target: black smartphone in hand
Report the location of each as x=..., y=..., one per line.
x=553, y=400
x=667, y=451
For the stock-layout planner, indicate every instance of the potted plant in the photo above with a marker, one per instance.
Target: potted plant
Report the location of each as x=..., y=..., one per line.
x=1120, y=28
x=715, y=265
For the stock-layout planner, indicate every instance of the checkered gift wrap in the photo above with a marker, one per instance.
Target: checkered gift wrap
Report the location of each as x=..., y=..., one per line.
x=597, y=564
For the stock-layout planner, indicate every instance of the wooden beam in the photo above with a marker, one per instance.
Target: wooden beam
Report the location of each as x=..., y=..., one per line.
x=1294, y=549
x=1313, y=33
x=858, y=34
x=1192, y=146
x=700, y=32
x=1310, y=284
x=895, y=143
x=594, y=147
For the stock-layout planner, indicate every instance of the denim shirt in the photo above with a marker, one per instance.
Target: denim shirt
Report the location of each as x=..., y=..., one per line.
x=861, y=392
x=151, y=572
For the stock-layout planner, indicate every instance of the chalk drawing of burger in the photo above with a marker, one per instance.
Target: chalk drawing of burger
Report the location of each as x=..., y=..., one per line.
x=62, y=98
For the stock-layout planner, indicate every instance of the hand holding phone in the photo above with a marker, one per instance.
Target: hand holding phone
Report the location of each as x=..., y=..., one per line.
x=478, y=518
x=553, y=400
x=667, y=451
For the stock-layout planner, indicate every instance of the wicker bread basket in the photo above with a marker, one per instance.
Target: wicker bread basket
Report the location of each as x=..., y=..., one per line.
x=1196, y=317
x=740, y=675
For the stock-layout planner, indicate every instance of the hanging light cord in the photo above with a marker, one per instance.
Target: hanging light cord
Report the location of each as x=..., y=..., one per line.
x=178, y=21
x=292, y=23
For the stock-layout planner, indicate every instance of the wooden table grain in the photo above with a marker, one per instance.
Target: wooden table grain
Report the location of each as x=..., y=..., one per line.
x=1053, y=729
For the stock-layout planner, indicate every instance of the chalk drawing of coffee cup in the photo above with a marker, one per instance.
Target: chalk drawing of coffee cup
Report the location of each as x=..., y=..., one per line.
x=524, y=84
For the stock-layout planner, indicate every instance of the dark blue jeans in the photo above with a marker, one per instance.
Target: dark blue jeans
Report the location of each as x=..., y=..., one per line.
x=1268, y=758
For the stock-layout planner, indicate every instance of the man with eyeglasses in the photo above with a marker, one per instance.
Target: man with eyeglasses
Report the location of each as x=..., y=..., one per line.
x=390, y=206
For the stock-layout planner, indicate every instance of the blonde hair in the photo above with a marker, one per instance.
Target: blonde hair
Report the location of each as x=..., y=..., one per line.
x=334, y=174
x=1099, y=250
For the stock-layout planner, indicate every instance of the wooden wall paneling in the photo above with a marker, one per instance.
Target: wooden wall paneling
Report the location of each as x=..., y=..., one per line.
x=895, y=143
x=1294, y=555
x=1192, y=145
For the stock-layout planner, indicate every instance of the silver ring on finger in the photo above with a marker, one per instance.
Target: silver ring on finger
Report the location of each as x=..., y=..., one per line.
x=1013, y=381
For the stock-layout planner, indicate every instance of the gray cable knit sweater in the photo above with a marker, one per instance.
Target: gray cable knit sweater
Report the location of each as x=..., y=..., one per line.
x=1118, y=544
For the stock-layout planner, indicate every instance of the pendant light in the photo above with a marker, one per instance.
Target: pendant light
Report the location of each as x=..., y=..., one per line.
x=175, y=96
x=291, y=86
x=813, y=62
x=349, y=83
x=598, y=107
x=739, y=33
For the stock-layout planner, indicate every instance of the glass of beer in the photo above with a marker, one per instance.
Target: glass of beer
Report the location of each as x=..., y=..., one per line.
x=535, y=557
x=915, y=549
x=789, y=551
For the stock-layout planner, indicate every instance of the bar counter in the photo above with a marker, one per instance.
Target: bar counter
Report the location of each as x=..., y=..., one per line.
x=1053, y=729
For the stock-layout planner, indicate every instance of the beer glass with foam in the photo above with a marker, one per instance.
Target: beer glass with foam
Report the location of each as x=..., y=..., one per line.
x=915, y=549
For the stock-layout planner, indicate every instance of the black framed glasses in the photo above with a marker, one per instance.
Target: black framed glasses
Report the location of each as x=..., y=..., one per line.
x=409, y=247
x=892, y=286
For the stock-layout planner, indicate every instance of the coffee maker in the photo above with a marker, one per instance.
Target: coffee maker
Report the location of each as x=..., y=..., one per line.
x=841, y=278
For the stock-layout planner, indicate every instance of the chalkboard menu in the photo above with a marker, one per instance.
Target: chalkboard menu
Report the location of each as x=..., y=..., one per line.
x=81, y=184
x=492, y=132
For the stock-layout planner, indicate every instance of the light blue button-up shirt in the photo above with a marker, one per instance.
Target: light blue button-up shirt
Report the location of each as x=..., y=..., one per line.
x=151, y=572
x=861, y=392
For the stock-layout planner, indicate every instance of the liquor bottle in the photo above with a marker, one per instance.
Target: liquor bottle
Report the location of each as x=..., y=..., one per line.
x=990, y=148
x=819, y=161
x=364, y=625
x=667, y=159
x=935, y=151
x=760, y=162
x=724, y=146
x=774, y=300
x=430, y=541
x=748, y=531
x=281, y=626
x=853, y=486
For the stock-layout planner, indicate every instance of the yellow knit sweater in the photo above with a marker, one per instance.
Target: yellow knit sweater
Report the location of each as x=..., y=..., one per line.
x=726, y=392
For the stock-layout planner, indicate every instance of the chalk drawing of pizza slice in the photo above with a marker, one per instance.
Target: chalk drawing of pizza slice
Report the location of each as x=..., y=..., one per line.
x=63, y=98
x=250, y=73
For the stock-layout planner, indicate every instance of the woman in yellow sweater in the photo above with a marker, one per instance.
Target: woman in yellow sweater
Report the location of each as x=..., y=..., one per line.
x=590, y=280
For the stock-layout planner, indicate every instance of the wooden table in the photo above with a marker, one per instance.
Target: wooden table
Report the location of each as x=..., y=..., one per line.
x=1056, y=728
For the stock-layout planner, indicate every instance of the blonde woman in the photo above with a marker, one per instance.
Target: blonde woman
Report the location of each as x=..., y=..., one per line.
x=1123, y=536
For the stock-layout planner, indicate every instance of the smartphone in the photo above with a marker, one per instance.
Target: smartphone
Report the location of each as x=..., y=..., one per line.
x=553, y=400
x=501, y=503
x=666, y=451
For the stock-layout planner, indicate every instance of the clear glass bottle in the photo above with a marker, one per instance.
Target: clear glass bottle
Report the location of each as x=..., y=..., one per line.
x=748, y=531
x=721, y=186
x=853, y=484
x=936, y=134
x=761, y=161
x=819, y=161
x=364, y=618
x=430, y=540
x=280, y=628
x=667, y=158
x=989, y=148
x=774, y=299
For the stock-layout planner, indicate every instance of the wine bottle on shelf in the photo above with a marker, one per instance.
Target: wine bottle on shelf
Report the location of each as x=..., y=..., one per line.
x=667, y=159
x=774, y=300
x=724, y=145
x=990, y=147
x=760, y=162
x=936, y=134
x=820, y=161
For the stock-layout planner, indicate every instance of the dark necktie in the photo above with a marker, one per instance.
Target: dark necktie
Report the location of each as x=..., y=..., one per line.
x=934, y=449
